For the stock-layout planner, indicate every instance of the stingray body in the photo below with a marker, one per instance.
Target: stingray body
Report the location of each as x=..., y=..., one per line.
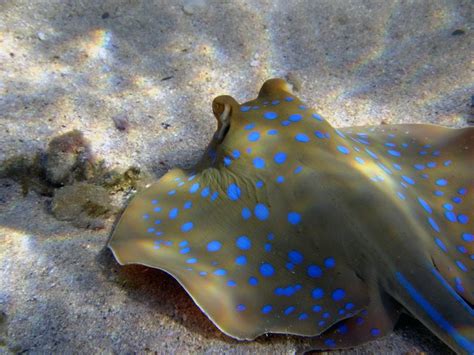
x=288, y=225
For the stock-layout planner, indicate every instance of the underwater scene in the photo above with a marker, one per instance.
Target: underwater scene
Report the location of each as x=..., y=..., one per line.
x=237, y=177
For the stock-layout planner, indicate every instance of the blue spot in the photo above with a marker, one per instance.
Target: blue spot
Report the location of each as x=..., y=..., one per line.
x=450, y=216
x=288, y=99
x=397, y=166
x=360, y=160
x=214, y=246
x=227, y=161
x=401, y=196
x=468, y=237
x=431, y=164
x=317, y=308
x=150, y=230
x=340, y=134
x=462, y=249
x=295, y=257
x=419, y=166
x=461, y=266
x=375, y=332
x=290, y=266
x=214, y=196
x=390, y=144
x=279, y=157
x=186, y=227
x=253, y=281
x=372, y=154
x=302, y=107
x=246, y=214
x=240, y=308
x=329, y=263
x=253, y=136
x=342, y=149
x=319, y=134
x=173, y=213
x=317, y=293
x=317, y=117
x=267, y=309
x=384, y=168
x=205, y=192
x=275, y=102
x=289, y=310
x=448, y=206
x=267, y=269
x=272, y=132
x=259, y=184
x=243, y=242
x=314, y=271
x=303, y=316
x=456, y=199
x=270, y=115
x=294, y=217
x=330, y=342
x=185, y=250
x=462, y=191
x=233, y=192
x=425, y=205
x=194, y=188
x=236, y=154
x=192, y=261
x=301, y=137
x=158, y=221
x=447, y=163
x=342, y=329
x=463, y=219
x=349, y=306
x=157, y=209
x=393, y=152
x=441, y=182
x=261, y=211
x=220, y=272
x=259, y=163
x=296, y=117
x=241, y=260
x=338, y=294
x=285, y=123
x=441, y=245
x=146, y=216
x=268, y=247
x=408, y=179
x=249, y=126
x=183, y=243
x=172, y=192
x=433, y=224
x=244, y=108
x=438, y=193
x=231, y=283
x=298, y=169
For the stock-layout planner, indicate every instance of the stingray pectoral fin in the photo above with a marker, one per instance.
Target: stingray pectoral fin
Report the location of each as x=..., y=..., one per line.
x=376, y=320
x=248, y=262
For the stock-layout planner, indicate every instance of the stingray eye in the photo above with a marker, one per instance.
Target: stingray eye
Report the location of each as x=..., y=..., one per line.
x=222, y=112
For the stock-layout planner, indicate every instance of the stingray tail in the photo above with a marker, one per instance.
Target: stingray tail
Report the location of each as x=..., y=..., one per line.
x=437, y=305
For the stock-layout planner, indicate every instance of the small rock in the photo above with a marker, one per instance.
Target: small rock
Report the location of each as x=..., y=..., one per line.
x=294, y=80
x=191, y=6
x=121, y=122
x=41, y=36
x=68, y=158
x=105, y=15
x=458, y=32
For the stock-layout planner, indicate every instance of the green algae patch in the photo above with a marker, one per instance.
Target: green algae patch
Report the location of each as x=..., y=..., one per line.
x=80, y=184
x=82, y=204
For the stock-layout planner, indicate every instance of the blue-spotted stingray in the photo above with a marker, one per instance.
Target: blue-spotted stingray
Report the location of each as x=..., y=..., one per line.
x=288, y=225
